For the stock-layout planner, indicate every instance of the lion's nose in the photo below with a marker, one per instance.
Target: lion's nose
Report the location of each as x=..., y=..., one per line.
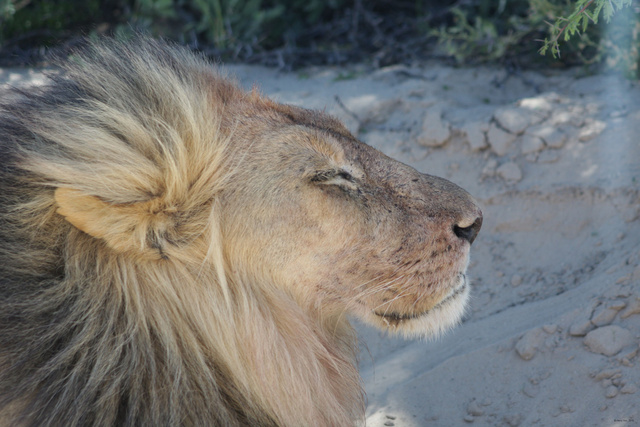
x=468, y=229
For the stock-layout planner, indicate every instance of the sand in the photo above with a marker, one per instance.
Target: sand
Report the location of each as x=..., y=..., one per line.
x=552, y=334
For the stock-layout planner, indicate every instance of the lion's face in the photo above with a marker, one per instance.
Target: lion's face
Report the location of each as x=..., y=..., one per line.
x=344, y=228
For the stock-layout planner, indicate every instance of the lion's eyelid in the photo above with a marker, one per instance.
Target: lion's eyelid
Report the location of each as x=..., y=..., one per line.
x=327, y=176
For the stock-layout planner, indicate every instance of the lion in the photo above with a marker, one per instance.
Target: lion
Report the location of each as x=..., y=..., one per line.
x=178, y=251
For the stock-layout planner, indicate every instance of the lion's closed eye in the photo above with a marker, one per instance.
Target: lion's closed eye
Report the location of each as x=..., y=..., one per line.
x=337, y=177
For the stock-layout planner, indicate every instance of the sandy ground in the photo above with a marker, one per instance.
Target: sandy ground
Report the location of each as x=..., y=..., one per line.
x=552, y=334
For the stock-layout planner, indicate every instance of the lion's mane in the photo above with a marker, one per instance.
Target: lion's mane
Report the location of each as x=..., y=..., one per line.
x=146, y=324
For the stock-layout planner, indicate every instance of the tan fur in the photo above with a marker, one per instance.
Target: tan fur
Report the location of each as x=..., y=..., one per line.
x=198, y=249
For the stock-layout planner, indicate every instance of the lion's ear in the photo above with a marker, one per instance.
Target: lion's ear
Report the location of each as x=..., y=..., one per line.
x=124, y=227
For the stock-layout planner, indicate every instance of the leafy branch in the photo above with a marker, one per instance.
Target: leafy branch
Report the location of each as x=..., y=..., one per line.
x=578, y=21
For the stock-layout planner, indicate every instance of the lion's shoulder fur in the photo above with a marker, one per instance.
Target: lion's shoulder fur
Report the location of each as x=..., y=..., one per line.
x=107, y=216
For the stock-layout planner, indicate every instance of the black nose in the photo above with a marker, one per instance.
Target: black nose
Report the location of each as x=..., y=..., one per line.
x=468, y=233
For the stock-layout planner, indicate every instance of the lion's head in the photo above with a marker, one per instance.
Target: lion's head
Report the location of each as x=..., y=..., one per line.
x=213, y=240
x=344, y=228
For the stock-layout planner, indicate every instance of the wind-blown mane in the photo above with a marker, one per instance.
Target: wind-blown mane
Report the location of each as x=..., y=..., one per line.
x=118, y=303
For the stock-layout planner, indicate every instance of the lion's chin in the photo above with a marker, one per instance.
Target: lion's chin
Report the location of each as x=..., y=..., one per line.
x=431, y=323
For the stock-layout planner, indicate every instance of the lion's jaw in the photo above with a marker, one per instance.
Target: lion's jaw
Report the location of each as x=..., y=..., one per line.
x=444, y=315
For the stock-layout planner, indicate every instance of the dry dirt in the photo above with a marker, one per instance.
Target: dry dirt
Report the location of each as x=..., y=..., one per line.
x=553, y=331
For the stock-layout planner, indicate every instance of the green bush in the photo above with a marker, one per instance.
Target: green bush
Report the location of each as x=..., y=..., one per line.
x=486, y=30
x=383, y=31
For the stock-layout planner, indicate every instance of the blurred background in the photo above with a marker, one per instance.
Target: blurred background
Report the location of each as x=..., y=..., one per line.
x=289, y=34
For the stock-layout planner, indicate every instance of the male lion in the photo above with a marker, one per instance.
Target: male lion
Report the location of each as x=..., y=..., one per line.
x=176, y=251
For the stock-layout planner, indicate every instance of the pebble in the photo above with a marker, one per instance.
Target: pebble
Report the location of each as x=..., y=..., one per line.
x=513, y=120
x=581, y=326
x=556, y=140
x=617, y=305
x=476, y=135
x=549, y=156
x=474, y=409
x=591, y=130
x=510, y=172
x=469, y=418
x=632, y=308
x=603, y=316
x=368, y=109
x=566, y=409
x=435, y=131
x=540, y=103
x=606, y=374
x=560, y=118
x=611, y=392
x=551, y=135
x=550, y=329
x=531, y=390
x=608, y=340
x=512, y=420
x=499, y=140
x=516, y=280
x=527, y=346
x=629, y=389
x=490, y=168
x=531, y=144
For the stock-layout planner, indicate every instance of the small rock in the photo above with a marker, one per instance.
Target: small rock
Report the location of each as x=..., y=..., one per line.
x=629, y=389
x=591, y=130
x=611, y=392
x=560, y=118
x=512, y=420
x=551, y=135
x=531, y=144
x=632, y=308
x=603, y=316
x=490, y=168
x=626, y=362
x=435, y=131
x=476, y=135
x=549, y=156
x=606, y=374
x=370, y=109
x=474, y=409
x=527, y=346
x=469, y=418
x=516, y=280
x=566, y=409
x=539, y=103
x=499, y=140
x=581, y=326
x=617, y=305
x=510, y=172
x=550, y=329
x=608, y=340
x=513, y=120
x=531, y=390
x=630, y=355
x=556, y=139
x=389, y=423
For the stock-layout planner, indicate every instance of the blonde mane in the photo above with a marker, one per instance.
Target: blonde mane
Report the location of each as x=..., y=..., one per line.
x=147, y=324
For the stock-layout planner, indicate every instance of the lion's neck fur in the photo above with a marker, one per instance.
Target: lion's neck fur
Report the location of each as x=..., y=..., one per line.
x=157, y=331
x=93, y=335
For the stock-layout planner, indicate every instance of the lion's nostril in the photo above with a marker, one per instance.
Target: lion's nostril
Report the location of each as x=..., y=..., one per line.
x=470, y=232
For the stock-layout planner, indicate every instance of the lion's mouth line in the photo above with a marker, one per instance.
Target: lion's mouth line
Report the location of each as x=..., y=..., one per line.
x=397, y=317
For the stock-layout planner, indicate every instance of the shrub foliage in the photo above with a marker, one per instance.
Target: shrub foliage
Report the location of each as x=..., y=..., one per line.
x=300, y=32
